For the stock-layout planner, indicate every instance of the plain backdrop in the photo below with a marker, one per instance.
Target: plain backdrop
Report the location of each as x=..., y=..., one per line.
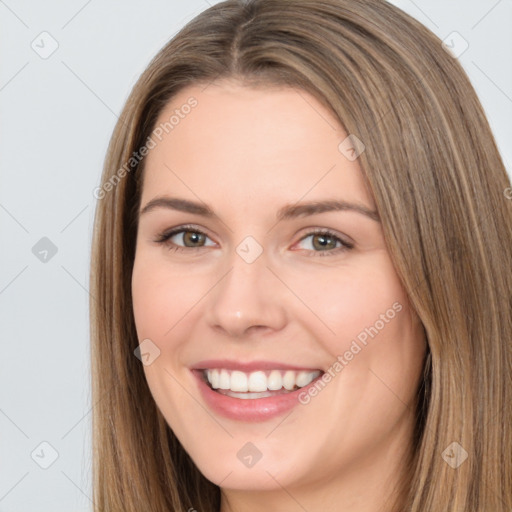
x=67, y=69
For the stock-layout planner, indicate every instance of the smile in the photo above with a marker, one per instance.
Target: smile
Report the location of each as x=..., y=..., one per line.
x=252, y=391
x=257, y=384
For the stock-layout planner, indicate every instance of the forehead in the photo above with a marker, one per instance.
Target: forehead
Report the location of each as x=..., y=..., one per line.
x=269, y=142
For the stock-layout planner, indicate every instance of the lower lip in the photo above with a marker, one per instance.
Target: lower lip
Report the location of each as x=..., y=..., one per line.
x=256, y=409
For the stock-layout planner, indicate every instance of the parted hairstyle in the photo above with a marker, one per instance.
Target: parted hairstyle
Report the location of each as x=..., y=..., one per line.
x=443, y=197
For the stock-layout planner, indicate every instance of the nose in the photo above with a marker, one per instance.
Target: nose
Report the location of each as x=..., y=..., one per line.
x=248, y=300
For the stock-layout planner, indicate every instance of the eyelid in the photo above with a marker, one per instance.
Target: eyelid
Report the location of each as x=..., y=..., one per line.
x=345, y=245
x=319, y=231
x=165, y=236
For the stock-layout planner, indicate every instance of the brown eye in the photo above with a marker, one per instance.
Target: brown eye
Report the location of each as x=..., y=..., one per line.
x=193, y=238
x=185, y=238
x=323, y=243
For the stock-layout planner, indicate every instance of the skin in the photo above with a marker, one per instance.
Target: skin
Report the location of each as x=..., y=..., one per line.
x=246, y=152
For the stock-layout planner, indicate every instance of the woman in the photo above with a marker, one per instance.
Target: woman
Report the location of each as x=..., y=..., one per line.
x=303, y=234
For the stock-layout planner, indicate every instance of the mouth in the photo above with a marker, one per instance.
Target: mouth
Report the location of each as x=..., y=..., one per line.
x=257, y=384
x=253, y=391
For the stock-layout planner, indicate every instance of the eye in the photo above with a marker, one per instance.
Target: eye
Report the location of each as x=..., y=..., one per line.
x=185, y=237
x=319, y=242
x=324, y=243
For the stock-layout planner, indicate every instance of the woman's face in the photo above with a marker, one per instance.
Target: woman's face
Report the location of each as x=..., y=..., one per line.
x=276, y=273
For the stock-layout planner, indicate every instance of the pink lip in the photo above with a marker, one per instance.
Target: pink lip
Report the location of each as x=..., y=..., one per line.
x=250, y=410
x=247, y=367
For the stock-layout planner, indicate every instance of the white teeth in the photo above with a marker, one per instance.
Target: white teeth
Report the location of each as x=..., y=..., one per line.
x=239, y=381
x=304, y=378
x=289, y=380
x=259, y=381
x=214, y=379
x=274, y=380
x=224, y=379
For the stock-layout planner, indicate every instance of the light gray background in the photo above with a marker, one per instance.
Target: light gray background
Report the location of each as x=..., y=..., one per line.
x=57, y=115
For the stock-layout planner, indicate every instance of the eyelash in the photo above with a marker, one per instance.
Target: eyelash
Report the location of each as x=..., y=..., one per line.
x=164, y=238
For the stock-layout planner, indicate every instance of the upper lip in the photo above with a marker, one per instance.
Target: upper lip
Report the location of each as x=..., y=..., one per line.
x=247, y=367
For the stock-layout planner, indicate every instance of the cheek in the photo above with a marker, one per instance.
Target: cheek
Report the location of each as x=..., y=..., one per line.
x=162, y=304
x=162, y=298
x=351, y=298
x=364, y=320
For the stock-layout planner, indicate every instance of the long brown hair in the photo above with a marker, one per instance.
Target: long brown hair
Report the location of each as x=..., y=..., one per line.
x=439, y=184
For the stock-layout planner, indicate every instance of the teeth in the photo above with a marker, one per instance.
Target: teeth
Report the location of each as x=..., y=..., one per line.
x=239, y=382
x=259, y=381
x=289, y=380
x=223, y=379
x=274, y=380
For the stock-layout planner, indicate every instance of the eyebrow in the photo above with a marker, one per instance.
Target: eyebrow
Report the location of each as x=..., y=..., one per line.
x=287, y=212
